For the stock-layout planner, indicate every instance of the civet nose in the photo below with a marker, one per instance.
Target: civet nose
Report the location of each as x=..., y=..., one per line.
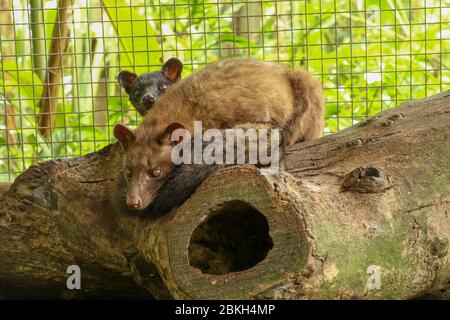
x=134, y=204
x=148, y=99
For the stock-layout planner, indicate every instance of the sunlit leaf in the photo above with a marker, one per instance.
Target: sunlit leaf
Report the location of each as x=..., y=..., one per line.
x=139, y=47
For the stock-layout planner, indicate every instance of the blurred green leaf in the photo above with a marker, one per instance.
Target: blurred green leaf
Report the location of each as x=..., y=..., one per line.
x=26, y=81
x=236, y=40
x=139, y=46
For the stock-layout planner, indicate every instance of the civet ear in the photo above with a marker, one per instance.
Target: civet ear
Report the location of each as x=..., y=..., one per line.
x=172, y=69
x=170, y=136
x=126, y=79
x=125, y=136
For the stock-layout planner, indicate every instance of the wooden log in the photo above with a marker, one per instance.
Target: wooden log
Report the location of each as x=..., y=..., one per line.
x=4, y=187
x=363, y=213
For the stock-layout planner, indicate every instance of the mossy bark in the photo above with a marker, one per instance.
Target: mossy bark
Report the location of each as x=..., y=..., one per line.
x=372, y=197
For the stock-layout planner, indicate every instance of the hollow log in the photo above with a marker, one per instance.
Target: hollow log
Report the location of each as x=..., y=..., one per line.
x=362, y=214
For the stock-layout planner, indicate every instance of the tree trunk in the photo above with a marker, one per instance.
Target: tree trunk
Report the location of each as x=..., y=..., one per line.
x=8, y=50
x=39, y=49
x=363, y=213
x=58, y=45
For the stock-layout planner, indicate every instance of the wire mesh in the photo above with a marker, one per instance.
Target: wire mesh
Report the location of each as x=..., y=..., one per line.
x=369, y=54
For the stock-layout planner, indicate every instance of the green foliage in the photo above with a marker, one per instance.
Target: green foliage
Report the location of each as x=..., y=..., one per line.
x=370, y=55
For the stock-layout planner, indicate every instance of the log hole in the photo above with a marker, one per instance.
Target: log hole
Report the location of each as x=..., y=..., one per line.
x=234, y=239
x=372, y=172
x=365, y=179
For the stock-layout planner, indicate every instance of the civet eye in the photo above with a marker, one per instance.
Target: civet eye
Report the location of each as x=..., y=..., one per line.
x=129, y=173
x=162, y=87
x=137, y=92
x=156, y=172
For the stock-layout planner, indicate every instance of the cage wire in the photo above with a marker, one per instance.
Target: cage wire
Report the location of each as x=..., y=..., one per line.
x=59, y=94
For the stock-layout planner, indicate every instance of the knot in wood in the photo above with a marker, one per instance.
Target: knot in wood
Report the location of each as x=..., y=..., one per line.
x=354, y=143
x=365, y=179
x=396, y=116
x=387, y=123
x=439, y=247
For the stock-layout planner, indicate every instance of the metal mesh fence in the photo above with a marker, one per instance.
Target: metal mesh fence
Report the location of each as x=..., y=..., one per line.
x=59, y=95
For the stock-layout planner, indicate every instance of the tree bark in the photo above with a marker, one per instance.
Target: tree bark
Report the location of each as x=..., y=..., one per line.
x=363, y=213
x=58, y=45
x=8, y=49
